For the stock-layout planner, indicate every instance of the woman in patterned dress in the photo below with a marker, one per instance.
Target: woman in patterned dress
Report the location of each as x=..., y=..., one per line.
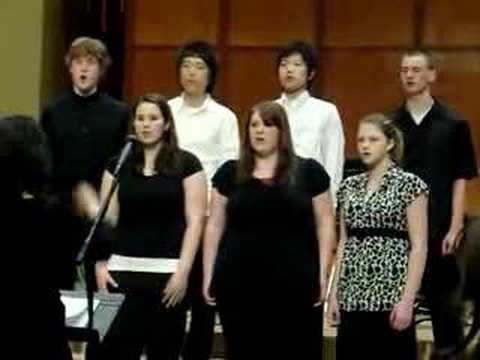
x=382, y=249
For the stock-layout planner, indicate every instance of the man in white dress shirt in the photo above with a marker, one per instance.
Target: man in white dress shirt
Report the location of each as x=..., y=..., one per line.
x=210, y=131
x=204, y=127
x=315, y=124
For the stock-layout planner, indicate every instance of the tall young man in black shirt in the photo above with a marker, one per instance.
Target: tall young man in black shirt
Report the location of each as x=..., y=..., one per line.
x=438, y=148
x=85, y=127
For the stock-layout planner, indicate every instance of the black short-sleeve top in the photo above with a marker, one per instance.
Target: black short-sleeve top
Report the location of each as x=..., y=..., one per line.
x=269, y=240
x=374, y=265
x=152, y=220
x=440, y=151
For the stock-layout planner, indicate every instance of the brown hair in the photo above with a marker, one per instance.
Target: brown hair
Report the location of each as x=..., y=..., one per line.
x=167, y=160
x=87, y=46
x=273, y=114
x=427, y=54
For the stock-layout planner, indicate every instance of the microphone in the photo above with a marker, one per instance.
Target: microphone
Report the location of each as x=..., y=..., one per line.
x=126, y=150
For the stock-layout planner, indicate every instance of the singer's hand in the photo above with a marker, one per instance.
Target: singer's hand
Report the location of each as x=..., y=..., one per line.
x=176, y=288
x=207, y=295
x=451, y=241
x=323, y=292
x=333, y=312
x=402, y=315
x=103, y=276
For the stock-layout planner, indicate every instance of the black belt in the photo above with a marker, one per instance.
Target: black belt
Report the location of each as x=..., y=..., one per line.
x=362, y=233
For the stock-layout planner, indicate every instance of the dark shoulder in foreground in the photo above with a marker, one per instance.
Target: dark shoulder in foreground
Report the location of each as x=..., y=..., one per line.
x=229, y=165
x=114, y=102
x=314, y=175
x=189, y=163
x=311, y=166
x=448, y=113
x=60, y=101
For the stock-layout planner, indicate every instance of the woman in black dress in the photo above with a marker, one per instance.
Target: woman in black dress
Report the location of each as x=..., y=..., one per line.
x=158, y=212
x=268, y=243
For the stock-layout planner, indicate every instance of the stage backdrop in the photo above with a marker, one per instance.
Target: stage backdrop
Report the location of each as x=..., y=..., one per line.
x=360, y=42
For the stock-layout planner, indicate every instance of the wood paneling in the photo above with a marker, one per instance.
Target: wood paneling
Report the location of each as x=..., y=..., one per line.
x=452, y=23
x=271, y=22
x=368, y=23
x=252, y=78
x=360, y=82
x=153, y=70
x=164, y=22
x=360, y=44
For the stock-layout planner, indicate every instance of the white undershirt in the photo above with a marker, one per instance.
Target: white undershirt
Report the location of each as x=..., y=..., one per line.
x=418, y=111
x=141, y=264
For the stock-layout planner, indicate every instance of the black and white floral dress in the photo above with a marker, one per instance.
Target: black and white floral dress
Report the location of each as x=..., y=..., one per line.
x=374, y=266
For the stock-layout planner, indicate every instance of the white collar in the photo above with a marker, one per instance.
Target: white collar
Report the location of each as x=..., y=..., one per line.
x=297, y=102
x=195, y=110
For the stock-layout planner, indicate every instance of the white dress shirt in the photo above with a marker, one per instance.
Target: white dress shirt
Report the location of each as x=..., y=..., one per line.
x=317, y=133
x=209, y=131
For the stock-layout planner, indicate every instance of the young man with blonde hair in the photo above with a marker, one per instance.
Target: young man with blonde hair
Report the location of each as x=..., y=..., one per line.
x=85, y=128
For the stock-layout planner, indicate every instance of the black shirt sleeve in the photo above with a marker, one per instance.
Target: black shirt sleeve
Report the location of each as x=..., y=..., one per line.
x=191, y=164
x=318, y=180
x=466, y=167
x=224, y=178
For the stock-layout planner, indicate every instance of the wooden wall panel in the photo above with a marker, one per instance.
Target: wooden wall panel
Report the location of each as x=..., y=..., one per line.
x=164, y=22
x=452, y=23
x=153, y=70
x=252, y=78
x=271, y=22
x=360, y=82
x=368, y=22
x=360, y=44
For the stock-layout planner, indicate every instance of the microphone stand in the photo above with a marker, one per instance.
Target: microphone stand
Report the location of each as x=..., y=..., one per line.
x=89, y=263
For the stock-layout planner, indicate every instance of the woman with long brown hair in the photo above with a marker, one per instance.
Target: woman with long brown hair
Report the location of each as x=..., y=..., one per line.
x=268, y=243
x=158, y=211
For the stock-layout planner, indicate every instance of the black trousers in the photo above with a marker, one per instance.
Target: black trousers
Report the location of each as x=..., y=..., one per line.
x=143, y=322
x=443, y=287
x=272, y=331
x=198, y=342
x=67, y=238
x=50, y=340
x=368, y=335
